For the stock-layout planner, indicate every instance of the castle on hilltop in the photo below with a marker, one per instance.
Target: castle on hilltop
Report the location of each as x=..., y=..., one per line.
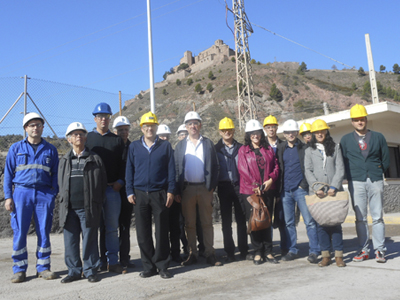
x=216, y=54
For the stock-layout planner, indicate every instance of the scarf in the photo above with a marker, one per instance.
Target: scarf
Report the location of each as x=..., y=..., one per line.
x=230, y=161
x=321, y=149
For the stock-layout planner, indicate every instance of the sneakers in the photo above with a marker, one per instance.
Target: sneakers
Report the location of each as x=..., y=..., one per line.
x=18, y=277
x=361, y=256
x=313, y=258
x=380, y=257
x=46, y=275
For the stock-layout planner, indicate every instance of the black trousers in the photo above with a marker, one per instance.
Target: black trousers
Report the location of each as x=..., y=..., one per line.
x=261, y=239
x=229, y=197
x=148, y=205
x=175, y=211
x=124, y=229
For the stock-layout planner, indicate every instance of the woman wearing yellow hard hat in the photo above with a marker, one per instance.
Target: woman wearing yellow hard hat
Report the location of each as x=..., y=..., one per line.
x=323, y=162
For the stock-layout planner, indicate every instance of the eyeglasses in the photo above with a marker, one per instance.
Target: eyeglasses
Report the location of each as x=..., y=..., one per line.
x=149, y=126
x=306, y=134
x=103, y=116
x=271, y=127
x=194, y=123
x=182, y=134
x=33, y=125
x=75, y=134
x=290, y=132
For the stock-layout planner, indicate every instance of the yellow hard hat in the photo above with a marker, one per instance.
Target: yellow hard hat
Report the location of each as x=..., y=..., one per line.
x=358, y=111
x=305, y=127
x=318, y=125
x=270, y=120
x=148, y=118
x=226, y=123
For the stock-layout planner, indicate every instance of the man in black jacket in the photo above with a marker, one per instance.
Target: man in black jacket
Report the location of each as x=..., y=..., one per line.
x=82, y=180
x=228, y=190
x=294, y=188
x=110, y=148
x=121, y=127
x=197, y=177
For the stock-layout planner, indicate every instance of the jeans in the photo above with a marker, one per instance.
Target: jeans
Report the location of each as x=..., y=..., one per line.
x=110, y=223
x=74, y=226
x=328, y=235
x=289, y=200
x=362, y=194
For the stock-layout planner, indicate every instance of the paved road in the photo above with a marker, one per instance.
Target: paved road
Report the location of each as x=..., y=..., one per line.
x=239, y=280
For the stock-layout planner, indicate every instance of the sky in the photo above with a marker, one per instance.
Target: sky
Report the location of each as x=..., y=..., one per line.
x=103, y=44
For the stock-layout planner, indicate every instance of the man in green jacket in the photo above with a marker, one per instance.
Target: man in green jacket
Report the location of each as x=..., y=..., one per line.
x=366, y=158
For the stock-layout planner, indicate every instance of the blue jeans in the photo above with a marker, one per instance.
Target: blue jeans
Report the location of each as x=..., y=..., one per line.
x=364, y=193
x=110, y=221
x=74, y=226
x=328, y=235
x=289, y=200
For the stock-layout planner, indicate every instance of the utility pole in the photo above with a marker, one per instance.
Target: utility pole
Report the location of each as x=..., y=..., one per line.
x=151, y=68
x=244, y=77
x=372, y=80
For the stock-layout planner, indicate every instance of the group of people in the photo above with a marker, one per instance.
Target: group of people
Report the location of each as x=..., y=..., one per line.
x=105, y=177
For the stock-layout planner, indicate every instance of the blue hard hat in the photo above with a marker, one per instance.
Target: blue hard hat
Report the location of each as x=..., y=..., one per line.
x=102, y=108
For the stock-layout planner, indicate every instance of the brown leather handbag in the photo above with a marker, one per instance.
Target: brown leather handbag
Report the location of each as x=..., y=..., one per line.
x=259, y=217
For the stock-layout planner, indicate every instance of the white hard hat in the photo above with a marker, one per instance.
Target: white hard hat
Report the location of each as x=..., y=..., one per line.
x=192, y=115
x=121, y=121
x=181, y=128
x=75, y=126
x=31, y=116
x=163, y=129
x=290, y=125
x=253, y=125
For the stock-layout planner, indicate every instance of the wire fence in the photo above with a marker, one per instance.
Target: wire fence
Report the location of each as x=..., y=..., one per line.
x=60, y=104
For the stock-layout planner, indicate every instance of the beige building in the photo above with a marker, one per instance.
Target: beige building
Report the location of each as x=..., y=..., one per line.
x=216, y=54
x=383, y=117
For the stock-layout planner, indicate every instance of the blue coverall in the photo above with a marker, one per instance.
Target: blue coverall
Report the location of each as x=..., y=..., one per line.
x=34, y=176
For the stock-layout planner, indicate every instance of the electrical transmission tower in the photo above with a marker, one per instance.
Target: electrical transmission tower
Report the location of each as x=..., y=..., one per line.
x=244, y=77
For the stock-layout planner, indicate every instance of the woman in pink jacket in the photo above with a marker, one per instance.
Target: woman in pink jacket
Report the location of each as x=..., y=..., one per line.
x=258, y=168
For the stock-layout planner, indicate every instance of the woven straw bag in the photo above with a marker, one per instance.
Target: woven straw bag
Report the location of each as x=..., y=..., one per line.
x=330, y=210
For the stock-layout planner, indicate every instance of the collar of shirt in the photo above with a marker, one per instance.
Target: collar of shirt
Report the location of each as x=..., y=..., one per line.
x=295, y=144
x=108, y=131
x=79, y=154
x=147, y=147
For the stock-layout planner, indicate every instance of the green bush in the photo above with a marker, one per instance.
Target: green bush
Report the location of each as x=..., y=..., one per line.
x=178, y=82
x=209, y=87
x=189, y=81
x=198, y=88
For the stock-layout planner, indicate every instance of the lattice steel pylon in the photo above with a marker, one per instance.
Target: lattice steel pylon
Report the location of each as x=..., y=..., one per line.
x=244, y=78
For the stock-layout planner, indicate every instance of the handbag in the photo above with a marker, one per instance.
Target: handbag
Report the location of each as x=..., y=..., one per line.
x=329, y=210
x=259, y=217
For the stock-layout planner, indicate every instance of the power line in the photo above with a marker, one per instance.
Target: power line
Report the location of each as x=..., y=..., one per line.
x=274, y=33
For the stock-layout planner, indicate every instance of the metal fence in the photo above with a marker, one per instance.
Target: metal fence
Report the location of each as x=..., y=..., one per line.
x=59, y=104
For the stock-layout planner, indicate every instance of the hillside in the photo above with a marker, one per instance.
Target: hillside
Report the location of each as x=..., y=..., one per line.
x=303, y=95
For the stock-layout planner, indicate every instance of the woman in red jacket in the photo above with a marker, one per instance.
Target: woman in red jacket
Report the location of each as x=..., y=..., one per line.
x=258, y=168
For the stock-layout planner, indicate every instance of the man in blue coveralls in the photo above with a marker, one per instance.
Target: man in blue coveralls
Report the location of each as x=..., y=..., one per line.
x=31, y=167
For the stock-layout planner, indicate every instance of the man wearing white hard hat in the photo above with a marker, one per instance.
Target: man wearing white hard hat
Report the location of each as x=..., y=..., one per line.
x=294, y=188
x=82, y=180
x=121, y=127
x=164, y=132
x=197, y=177
x=182, y=132
x=31, y=169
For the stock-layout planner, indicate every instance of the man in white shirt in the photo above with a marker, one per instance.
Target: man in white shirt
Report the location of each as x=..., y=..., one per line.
x=197, y=176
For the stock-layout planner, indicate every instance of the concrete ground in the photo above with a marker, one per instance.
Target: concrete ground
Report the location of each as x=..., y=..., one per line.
x=238, y=280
